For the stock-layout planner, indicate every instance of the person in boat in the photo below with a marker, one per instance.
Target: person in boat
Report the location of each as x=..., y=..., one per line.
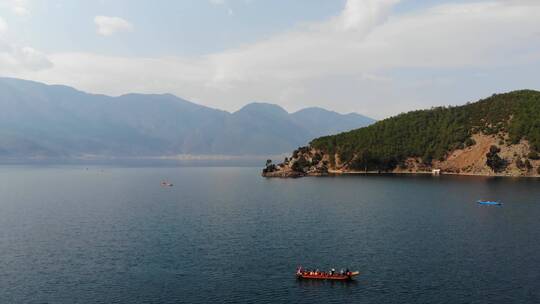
x=332, y=271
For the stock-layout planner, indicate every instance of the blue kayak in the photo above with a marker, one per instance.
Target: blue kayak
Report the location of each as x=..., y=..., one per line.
x=489, y=203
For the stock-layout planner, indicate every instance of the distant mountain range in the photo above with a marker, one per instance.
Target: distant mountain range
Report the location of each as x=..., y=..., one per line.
x=39, y=120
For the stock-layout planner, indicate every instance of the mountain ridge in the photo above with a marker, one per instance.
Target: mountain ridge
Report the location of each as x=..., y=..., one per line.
x=40, y=120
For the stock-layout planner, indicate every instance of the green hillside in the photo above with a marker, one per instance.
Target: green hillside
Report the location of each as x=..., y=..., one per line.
x=431, y=134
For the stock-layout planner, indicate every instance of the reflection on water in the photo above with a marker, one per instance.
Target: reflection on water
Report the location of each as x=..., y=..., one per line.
x=326, y=283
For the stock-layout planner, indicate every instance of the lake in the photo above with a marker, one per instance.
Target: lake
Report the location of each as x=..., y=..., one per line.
x=226, y=235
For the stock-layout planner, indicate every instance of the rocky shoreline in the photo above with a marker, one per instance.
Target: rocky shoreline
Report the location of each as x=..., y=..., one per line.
x=469, y=161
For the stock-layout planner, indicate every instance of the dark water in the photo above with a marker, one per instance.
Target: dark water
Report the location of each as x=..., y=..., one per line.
x=226, y=235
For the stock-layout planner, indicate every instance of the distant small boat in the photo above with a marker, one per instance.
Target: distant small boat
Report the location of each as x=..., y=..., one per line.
x=166, y=184
x=321, y=275
x=493, y=203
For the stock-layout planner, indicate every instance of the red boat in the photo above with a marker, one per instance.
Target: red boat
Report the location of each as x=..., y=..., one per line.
x=321, y=275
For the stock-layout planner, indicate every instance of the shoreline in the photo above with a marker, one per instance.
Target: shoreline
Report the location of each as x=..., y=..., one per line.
x=292, y=174
x=337, y=173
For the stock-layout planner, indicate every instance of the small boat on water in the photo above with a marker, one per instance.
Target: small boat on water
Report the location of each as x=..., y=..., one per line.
x=343, y=275
x=166, y=184
x=492, y=203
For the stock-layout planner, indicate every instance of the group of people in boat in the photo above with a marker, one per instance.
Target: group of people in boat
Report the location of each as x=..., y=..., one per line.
x=331, y=273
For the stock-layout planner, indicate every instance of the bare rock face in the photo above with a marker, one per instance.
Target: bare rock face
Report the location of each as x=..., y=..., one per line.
x=490, y=156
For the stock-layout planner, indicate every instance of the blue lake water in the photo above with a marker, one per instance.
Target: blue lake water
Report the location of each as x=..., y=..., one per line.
x=227, y=235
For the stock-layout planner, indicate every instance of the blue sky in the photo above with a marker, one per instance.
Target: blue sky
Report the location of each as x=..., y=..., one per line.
x=170, y=27
x=377, y=57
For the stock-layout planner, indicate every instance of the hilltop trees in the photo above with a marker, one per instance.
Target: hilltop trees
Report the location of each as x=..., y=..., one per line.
x=432, y=134
x=270, y=167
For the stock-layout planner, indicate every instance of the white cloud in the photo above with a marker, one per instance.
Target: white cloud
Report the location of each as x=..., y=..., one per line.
x=305, y=53
x=3, y=25
x=364, y=14
x=230, y=11
x=349, y=63
x=17, y=59
x=20, y=11
x=108, y=26
x=17, y=7
x=217, y=2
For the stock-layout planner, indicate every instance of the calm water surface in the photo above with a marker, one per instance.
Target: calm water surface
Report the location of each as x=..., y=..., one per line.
x=226, y=235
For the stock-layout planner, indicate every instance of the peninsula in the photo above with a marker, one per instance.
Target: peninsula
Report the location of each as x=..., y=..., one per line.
x=496, y=136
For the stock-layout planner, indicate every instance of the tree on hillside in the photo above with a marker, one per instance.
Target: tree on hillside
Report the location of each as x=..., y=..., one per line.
x=270, y=167
x=494, y=161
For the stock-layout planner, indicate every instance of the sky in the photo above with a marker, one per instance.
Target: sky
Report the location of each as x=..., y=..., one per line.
x=374, y=57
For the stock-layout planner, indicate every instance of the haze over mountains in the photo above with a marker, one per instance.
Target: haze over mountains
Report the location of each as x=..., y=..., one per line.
x=38, y=120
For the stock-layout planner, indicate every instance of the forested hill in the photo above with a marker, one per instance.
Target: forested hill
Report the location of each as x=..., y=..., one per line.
x=431, y=134
x=506, y=127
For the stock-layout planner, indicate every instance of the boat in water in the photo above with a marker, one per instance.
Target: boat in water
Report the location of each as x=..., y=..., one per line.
x=166, y=184
x=492, y=203
x=343, y=275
